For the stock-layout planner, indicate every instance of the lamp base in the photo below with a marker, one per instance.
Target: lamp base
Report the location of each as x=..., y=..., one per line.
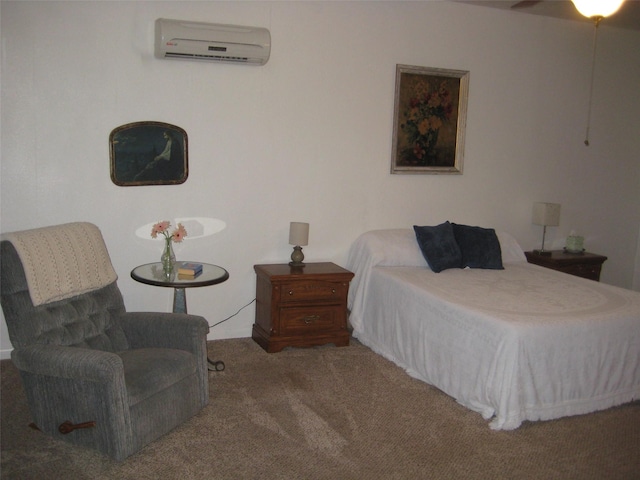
x=297, y=257
x=542, y=253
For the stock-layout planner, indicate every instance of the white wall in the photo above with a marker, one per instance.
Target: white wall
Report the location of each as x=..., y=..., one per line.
x=636, y=276
x=307, y=137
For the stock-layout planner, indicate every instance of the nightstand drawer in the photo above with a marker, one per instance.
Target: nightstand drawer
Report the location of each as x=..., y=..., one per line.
x=301, y=320
x=314, y=291
x=591, y=272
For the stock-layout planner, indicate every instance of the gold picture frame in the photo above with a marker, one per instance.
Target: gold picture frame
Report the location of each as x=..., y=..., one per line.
x=429, y=121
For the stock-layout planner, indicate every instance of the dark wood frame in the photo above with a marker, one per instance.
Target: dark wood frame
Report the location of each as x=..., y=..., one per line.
x=429, y=121
x=138, y=154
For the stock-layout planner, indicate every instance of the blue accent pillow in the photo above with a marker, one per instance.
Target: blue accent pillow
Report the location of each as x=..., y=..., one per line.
x=439, y=247
x=480, y=247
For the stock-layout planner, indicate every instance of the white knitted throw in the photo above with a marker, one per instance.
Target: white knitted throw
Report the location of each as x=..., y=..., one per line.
x=63, y=261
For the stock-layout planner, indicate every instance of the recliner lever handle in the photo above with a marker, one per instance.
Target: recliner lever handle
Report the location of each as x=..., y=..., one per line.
x=68, y=427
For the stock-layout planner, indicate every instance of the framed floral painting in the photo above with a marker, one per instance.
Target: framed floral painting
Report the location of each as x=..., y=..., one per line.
x=429, y=120
x=148, y=153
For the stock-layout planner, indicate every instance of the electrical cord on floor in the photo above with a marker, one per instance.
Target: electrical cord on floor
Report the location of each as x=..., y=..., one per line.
x=231, y=316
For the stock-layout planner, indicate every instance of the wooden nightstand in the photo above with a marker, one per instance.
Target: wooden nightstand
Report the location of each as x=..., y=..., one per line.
x=587, y=265
x=301, y=306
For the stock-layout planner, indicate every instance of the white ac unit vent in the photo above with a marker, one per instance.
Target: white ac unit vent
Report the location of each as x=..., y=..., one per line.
x=212, y=42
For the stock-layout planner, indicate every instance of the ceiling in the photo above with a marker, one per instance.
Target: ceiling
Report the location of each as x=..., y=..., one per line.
x=627, y=17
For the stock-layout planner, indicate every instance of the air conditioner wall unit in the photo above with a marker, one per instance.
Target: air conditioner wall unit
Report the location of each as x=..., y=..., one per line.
x=212, y=42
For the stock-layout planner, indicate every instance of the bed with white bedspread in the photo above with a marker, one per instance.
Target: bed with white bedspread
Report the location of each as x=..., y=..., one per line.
x=522, y=343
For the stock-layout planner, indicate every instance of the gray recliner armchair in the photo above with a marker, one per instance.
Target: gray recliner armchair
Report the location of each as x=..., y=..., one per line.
x=94, y=374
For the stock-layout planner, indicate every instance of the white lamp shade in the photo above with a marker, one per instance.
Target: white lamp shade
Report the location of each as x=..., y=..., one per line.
x=298, y=233
x=547, y=214
x=597, y=8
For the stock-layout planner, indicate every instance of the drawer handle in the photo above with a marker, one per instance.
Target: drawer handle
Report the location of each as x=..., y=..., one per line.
x=311, y=318
x=290, y=292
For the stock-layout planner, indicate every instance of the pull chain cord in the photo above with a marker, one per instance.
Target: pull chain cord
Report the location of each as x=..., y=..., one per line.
x=596, y=21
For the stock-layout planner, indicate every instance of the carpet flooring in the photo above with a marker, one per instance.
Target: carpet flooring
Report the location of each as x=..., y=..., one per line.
x=331, y=413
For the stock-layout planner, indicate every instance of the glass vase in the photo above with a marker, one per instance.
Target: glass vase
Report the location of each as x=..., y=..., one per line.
x=168, y=258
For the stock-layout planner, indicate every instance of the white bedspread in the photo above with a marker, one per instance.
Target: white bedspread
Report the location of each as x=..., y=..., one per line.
x=524, y=343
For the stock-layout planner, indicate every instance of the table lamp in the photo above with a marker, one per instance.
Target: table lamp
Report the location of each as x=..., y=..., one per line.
x=298, y=236
x=547, y=215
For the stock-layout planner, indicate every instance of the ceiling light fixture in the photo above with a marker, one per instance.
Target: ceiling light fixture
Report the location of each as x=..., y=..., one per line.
x=596, y=10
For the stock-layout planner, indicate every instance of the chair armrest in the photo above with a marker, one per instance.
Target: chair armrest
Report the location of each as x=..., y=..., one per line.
x=69, y=362
x=164, y=330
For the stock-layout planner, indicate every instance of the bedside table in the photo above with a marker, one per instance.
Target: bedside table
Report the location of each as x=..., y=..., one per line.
x=586, y=265
x=301, y=306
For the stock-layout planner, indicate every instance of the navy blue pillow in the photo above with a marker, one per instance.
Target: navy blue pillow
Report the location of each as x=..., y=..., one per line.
x=480, y=247
x=439, y=247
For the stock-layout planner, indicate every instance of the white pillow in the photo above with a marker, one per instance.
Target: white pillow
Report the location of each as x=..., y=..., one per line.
x=511, y=250
x=393, y=248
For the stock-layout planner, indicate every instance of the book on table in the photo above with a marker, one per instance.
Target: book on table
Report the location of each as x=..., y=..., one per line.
x=190, y=269
x=184, y=276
